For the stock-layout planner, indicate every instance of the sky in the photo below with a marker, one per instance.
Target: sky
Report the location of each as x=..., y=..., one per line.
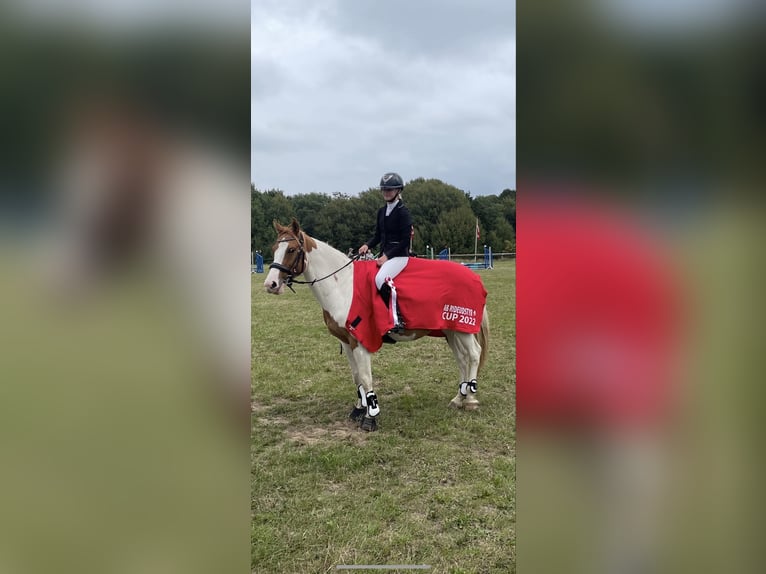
x=346, y=90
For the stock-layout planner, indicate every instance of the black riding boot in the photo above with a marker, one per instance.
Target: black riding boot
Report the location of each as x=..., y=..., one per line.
x=385, y=294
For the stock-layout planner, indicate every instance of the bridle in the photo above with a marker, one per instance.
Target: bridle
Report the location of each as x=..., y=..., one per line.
x=300, y=258
x=292, y=272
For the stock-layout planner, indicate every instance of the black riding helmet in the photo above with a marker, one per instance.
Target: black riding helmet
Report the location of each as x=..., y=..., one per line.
x=392, y=182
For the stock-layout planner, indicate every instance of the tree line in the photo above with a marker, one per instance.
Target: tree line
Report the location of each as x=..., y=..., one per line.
x=443, y=216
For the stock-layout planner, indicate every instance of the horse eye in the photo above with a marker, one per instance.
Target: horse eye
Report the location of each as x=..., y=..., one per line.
x=291, y=250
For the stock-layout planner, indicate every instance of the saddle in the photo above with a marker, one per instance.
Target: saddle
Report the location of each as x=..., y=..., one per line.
x=433, y=295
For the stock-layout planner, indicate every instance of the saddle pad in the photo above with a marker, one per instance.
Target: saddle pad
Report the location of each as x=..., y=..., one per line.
x=432, y=294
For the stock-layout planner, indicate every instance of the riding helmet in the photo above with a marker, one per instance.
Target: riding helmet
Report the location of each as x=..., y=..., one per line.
x=391, y=181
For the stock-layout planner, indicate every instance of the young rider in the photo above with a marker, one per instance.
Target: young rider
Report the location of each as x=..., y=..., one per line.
x=392, y=231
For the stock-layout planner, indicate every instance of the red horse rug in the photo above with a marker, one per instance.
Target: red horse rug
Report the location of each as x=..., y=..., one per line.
x=433, y=295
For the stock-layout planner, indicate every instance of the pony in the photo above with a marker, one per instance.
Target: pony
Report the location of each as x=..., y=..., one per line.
x=329, y=275
x=130, y=189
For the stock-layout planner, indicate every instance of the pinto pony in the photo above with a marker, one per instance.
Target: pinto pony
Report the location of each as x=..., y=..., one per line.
x=339, y=284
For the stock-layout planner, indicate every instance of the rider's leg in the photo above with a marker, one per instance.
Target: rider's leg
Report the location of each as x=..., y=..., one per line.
x=384, y=283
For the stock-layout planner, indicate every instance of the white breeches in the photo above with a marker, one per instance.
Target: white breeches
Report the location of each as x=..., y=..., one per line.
x=390, y=268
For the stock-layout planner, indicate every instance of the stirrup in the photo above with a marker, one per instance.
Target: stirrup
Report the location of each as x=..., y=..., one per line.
x=398, y=328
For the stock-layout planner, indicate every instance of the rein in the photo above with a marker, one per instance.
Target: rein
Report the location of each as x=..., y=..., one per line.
x=292, y=273
x=350, y=261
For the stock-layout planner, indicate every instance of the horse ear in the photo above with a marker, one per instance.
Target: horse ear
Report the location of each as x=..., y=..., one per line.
x=277, y=226
x=296, y=227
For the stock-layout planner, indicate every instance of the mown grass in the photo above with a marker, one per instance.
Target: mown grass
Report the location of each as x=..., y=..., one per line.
x=432, y=486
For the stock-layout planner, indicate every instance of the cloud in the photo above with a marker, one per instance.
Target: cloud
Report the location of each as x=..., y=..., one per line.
x=342, y=94
x=437, y=29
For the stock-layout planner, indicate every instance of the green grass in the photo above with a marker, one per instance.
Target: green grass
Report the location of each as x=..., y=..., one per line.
x=432, y=486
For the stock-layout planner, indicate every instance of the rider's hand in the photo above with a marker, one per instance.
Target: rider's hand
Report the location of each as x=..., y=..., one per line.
x=363, y=249
x=381, y=260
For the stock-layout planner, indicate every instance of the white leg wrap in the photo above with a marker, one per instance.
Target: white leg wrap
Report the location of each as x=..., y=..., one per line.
x=362, y=396
x=468, y=386
x=369, y=401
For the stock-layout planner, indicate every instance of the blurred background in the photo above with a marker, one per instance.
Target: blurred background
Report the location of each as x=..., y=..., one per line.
x=124, y=321
x=639, y=345
x=125, y=312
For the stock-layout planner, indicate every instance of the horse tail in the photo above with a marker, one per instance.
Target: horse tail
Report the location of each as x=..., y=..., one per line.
x=483, y=338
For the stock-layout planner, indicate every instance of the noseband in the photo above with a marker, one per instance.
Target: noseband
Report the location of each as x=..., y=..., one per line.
x=300, y=258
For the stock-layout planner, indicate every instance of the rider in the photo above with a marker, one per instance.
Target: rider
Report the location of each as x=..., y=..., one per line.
x=392, y=231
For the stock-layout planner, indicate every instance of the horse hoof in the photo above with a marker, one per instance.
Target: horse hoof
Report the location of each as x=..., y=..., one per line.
x=456, y=404
x=471, y=406
x=357, y=414
x=369, y=424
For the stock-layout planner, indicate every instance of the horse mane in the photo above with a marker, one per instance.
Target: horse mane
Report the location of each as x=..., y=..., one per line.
x=323, y=245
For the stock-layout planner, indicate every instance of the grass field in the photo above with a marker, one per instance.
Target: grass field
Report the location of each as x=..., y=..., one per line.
x=432, y=486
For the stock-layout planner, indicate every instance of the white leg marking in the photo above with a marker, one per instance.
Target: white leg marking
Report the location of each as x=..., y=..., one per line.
x=467, y=352
x=363, y=374
x=354, y=369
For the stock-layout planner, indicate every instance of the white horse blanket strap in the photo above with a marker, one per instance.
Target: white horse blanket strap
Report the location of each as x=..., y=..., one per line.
x=369, y=401
x=468, y=386
x=392, y=304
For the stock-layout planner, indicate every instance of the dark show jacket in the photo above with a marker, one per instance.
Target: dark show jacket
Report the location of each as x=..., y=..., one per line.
x=393, y=231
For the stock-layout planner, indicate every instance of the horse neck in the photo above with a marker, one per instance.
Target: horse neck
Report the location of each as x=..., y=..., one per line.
x=322, y=261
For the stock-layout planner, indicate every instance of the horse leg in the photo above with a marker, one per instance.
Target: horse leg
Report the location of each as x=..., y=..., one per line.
x=358, y=411
x=367, y=408
x=467, y=352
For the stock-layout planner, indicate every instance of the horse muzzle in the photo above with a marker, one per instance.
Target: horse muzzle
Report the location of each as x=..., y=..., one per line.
x=274, y=284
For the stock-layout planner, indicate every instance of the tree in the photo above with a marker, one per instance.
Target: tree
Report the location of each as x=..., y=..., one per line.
x=257, y=219
x=346, y=222
x=456, y=229
x=308, y=208
x=428, y=200
x=265, y=208
x=509, y=206
x=497, y=218
x=442, y=214
x=503, y=238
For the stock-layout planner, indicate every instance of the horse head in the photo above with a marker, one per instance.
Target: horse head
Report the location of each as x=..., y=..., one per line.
x=289, y=257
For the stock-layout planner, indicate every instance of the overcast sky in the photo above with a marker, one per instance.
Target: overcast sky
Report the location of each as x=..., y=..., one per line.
x=345, y=90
